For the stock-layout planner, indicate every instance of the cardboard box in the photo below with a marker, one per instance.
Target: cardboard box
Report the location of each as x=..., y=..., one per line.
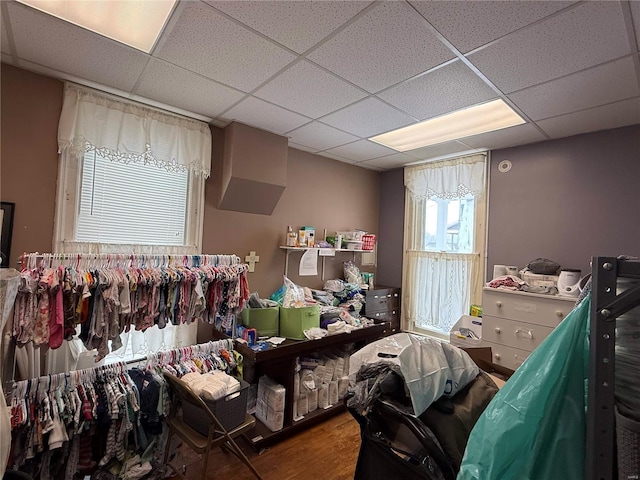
x=265, y=320
x=482, y=357
x=294, y=321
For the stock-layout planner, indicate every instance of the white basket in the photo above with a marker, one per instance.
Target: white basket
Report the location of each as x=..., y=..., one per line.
x=474, y=324
x=351, y=236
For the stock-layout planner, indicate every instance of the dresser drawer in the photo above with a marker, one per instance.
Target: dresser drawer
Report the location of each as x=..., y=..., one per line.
x=506, y=356
x=521, y=335
x=382, y=299
x=537, y=309
x=385, y=315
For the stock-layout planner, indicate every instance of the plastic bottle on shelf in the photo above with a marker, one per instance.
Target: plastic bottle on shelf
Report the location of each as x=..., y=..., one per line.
x=292, y=237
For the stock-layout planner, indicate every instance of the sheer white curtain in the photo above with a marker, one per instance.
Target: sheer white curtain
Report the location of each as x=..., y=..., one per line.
x=440, y=286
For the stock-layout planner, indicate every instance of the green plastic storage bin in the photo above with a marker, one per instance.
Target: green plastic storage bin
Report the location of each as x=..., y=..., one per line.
x=294, y=321
x=265, y=320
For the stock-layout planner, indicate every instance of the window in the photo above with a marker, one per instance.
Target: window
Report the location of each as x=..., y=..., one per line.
x=131, y=180
x=444, y=242
x=130, y=203
x=449, y=225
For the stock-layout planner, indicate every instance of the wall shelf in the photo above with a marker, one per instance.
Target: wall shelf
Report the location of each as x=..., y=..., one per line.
x=303, y=249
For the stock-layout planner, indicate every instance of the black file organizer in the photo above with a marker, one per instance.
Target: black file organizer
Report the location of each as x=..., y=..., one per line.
x=606, y=306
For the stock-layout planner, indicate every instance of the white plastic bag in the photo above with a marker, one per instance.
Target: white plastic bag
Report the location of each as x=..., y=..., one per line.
x=430, y=368
x=293, y=295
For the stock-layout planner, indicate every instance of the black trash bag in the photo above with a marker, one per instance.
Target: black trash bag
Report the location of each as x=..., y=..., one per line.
x=544, y=266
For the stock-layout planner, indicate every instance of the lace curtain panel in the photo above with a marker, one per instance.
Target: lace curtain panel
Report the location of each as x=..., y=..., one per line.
x=449, y=179
x=443, y=290
x=439, y=287
x=68, y=246
x=129, y=132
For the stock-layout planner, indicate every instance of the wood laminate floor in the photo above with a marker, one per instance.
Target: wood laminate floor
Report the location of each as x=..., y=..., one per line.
x=327, y=451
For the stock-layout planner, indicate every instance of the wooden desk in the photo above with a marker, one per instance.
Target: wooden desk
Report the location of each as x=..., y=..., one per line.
x=279, y=363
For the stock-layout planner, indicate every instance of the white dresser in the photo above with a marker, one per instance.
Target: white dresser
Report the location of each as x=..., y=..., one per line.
x=515, y=323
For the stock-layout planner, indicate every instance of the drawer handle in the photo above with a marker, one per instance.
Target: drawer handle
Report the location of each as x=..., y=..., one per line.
x=395, y=294
x=389, y=295
x=393, y=312
x=524, y=333
x=497, y=356
x=375, y=296
x=498, y=304
x=497, y=329
x=559, y=314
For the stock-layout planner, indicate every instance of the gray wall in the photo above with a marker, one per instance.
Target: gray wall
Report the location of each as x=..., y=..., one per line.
x=391, y=228
x=566, y=200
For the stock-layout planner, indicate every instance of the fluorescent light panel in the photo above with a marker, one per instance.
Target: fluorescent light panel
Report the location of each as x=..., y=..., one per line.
x=136, y=23
x=482, y=118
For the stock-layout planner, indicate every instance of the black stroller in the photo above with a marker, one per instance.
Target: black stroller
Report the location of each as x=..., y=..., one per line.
x=397, y=444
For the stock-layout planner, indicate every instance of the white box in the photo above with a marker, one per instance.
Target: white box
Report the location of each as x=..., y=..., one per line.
x=539, y=280
x=474, y=324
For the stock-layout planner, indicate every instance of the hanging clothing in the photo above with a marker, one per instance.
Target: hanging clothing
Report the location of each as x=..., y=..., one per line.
x=52, y=301
x=103, y=417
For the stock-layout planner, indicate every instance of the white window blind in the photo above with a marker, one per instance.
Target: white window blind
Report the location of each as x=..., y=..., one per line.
x=131, y=203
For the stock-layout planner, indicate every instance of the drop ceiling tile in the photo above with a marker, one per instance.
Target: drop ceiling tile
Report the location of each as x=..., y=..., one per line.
x=64, y=47
x=306, y=22
x=368, y=117
x=614, y=115
x=336, y=157
x=206, y=42
x=444, y=90
x=579, y=38
x=175, y=86
x=507, y=137
x=596, y=86
x=302, y=147
x=320, y=136
x=437, y=151
x=369, y=167
x=384, y=46
x=361, y=150
x=390, y=161
x=258, y=113
x=468, y=25
x=308, y=89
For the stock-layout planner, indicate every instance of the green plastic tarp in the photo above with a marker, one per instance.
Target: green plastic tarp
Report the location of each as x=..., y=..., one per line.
x=534, y=428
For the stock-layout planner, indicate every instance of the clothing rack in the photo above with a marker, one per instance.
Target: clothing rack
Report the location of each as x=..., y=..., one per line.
x=606, y=306
x=115, y=408
x=154, y=359
x=34, y=260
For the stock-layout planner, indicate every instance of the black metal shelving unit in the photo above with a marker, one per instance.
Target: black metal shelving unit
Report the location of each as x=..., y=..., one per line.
x=606, y=306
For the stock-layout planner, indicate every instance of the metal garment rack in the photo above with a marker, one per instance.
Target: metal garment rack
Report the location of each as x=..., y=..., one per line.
x=606, y=306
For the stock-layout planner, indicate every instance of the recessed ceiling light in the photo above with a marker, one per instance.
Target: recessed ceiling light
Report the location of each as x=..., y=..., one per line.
x=482, y=118
x=134, y=23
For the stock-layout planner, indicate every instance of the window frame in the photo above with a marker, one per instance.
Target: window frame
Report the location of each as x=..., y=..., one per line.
x=69, y=186
x=411, y=245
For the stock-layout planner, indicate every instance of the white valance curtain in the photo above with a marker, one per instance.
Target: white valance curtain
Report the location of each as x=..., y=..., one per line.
x=439, y=287
x=128, y=132
x=449, y=179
